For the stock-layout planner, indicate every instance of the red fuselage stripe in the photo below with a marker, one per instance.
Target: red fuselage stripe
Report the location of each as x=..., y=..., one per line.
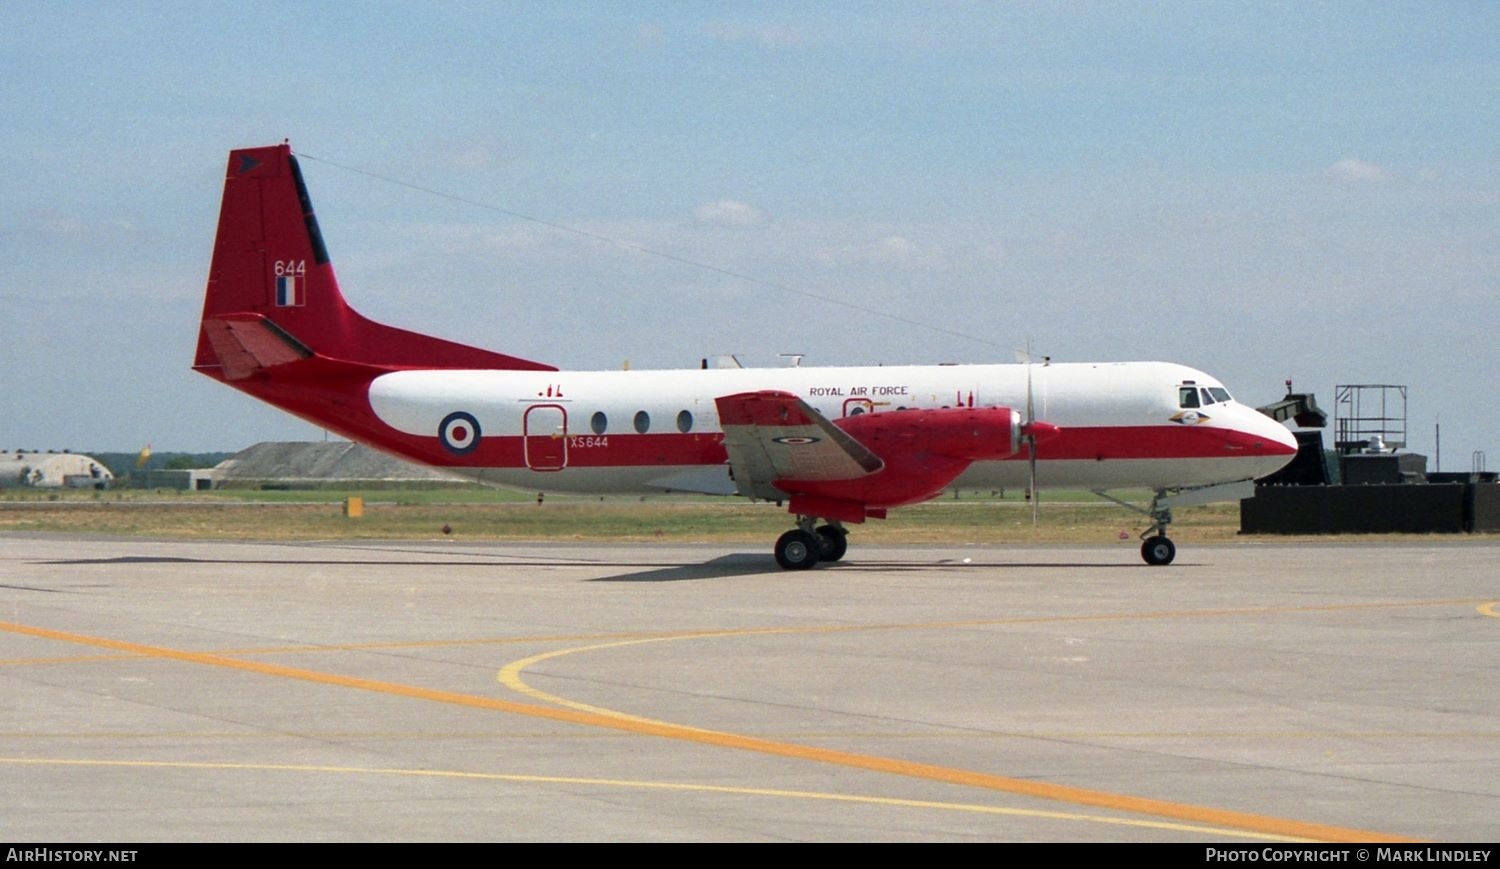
x=321, y=402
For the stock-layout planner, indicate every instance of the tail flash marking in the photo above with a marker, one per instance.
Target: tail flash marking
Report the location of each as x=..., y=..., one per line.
x=289, y=292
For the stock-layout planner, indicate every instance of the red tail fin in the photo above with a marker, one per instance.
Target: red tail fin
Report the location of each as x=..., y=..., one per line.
x=269, y=264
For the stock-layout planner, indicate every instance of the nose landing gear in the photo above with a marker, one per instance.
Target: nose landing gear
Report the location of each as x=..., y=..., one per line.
x=1156, y=548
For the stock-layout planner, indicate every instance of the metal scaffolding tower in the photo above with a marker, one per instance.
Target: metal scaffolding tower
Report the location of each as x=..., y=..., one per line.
x=1369, y=417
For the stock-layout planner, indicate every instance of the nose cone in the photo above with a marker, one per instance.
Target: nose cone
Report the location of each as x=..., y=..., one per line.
x=1268, y=442
x=1280, y=439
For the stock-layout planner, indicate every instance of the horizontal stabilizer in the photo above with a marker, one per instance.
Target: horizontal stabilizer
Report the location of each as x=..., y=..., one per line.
x=247, y=343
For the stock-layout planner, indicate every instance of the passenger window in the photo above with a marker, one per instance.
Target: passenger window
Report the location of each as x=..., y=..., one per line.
x=642, y=421
x=1187, y=396
x=684, y=421
x=599, y=423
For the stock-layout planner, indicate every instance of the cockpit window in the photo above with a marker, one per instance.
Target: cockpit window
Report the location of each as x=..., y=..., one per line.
x=1207, y=398
x=1187, y=396
x=1220, y=393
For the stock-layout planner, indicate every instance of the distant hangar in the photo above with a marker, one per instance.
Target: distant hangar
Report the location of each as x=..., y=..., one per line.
x=52, y=471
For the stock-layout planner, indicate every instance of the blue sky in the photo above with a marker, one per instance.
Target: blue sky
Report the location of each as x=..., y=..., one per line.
x=1261, y=190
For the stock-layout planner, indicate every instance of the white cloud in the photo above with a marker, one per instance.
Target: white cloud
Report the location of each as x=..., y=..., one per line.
x=728, y=212
x=1356, y=171
x=883, y=251
x=470, y=156
x=47, y=223
x=892, y=248
x=650, y=34
x=769, y=36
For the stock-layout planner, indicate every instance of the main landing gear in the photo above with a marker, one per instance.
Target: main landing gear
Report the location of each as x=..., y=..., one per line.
x=809, y=543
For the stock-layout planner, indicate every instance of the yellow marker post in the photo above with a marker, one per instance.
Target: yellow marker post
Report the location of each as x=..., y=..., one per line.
x=354, y=507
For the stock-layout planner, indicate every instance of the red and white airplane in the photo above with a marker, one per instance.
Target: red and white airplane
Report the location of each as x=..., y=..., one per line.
x=836, y=445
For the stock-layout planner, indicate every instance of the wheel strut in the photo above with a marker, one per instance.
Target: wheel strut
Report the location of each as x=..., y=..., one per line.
x=1156, y=547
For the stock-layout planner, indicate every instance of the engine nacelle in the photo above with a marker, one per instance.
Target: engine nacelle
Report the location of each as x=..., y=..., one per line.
x=969, y=433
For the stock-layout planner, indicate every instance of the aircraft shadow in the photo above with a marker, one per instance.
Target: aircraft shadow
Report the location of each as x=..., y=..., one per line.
x=723, y=567
x=331, y=562
x=749, y=564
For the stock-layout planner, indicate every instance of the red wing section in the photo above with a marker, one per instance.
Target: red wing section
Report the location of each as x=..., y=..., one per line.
x=780, y=448
x=775, y=436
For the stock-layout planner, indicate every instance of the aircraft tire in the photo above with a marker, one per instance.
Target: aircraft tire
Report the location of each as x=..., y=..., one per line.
x=833, y=543
x=797, y=549
x=1158, y=550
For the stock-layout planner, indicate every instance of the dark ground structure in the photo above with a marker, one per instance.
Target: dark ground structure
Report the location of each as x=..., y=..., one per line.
x=1366, y=486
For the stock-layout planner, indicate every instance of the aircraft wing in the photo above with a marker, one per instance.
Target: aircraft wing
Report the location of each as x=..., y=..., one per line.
x=772, y=435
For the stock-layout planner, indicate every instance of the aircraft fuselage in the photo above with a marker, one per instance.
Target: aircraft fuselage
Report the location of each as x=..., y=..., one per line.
x=1121, y=424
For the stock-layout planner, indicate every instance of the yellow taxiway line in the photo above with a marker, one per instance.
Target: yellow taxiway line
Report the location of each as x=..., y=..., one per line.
x=1280, y=827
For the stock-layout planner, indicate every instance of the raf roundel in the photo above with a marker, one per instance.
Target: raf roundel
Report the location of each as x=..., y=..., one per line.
x=459, y=432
